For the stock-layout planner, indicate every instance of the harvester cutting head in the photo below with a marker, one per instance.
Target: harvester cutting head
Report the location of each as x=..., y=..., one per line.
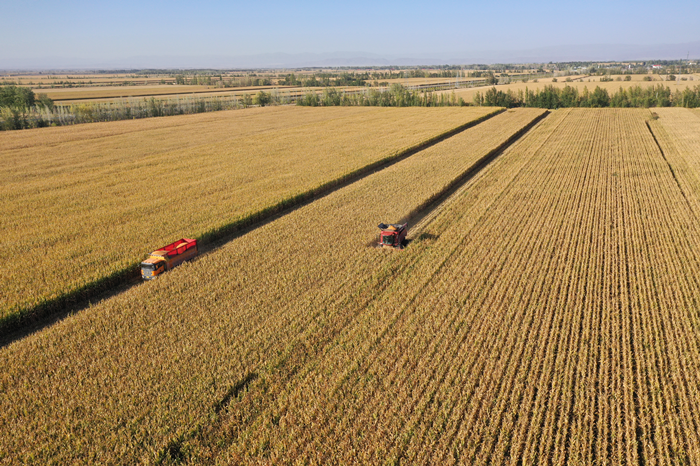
x=393, y=235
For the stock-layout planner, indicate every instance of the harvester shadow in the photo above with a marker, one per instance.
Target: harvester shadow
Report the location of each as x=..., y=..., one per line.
x=52, y=311
x=421, y=237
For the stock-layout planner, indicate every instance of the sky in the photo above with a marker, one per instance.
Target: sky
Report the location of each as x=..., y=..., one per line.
x=100, y=32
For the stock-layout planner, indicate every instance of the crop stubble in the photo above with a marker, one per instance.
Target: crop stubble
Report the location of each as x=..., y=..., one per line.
x=547, y=313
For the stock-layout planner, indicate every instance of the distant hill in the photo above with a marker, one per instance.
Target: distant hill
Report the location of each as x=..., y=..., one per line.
x=555, y=53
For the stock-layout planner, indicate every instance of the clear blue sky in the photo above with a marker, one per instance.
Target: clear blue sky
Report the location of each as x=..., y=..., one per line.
x=100, y=30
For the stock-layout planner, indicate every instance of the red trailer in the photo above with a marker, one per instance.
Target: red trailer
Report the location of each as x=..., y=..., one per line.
x=393, y=235
x=168, y=257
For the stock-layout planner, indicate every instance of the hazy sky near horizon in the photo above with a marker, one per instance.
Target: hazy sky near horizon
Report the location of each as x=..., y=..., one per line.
x=128, y=28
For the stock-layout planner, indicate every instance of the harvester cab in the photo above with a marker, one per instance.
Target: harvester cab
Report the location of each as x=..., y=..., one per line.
x=392, y=235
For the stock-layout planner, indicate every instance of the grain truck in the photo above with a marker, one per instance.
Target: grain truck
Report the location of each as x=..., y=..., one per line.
x=168, y=257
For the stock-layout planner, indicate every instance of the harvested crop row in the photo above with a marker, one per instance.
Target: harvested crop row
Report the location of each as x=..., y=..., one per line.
x=78, y=211
x=555, y=323
x=148, y=368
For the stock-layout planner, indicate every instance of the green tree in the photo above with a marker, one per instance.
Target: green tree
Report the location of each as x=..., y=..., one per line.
x=599, y=98
x=262, y=98
x=620, y=99
x=568, y=97
x=18, y=98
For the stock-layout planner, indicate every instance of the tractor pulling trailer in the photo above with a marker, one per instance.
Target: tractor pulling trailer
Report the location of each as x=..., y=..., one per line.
x=169, y=257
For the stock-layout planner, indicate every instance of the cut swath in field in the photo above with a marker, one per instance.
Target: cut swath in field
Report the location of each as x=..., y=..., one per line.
x=162, y=355
x=677, y=132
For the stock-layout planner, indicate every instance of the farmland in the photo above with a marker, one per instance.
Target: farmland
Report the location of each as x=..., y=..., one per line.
x=263, y=268
x=581, y=83
x=97, y=94
x=547, y=311
x=85, y=203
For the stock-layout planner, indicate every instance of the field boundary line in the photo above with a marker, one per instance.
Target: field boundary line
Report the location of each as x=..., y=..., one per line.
x=34, y=318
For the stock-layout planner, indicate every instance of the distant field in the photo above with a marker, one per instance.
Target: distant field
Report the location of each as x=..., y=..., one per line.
x=117, y=94
x=82, y=93
x=98, y=79
x=83, y=203
x=419, y=81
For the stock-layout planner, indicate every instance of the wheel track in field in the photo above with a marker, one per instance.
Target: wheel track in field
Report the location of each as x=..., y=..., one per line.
x=670, y=167
x=432, y=207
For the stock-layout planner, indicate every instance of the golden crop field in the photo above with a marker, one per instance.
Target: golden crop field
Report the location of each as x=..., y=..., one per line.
x=122, y=380
x=546, y=320
x=88, y=202
x=546, y=312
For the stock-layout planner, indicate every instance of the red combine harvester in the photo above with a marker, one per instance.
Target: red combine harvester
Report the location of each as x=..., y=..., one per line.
x=168, y=257
x=392, y=235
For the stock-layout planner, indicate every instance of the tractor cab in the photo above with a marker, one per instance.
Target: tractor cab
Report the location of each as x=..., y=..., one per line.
x=392, y=235
x=152, y=267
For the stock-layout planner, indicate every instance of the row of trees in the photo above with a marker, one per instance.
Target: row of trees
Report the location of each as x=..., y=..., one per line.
x=219, y=81
x=325, y=80
x=395, y=96
x=554, y=97
x=18, y=103
x=126, y=109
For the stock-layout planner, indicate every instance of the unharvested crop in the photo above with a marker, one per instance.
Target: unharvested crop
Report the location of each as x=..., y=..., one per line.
x=82, y=204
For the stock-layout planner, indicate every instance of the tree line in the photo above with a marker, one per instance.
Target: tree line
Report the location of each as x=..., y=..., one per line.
x=17, y=104
x=395, y=96
x=554, y=97
x=21, y=109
